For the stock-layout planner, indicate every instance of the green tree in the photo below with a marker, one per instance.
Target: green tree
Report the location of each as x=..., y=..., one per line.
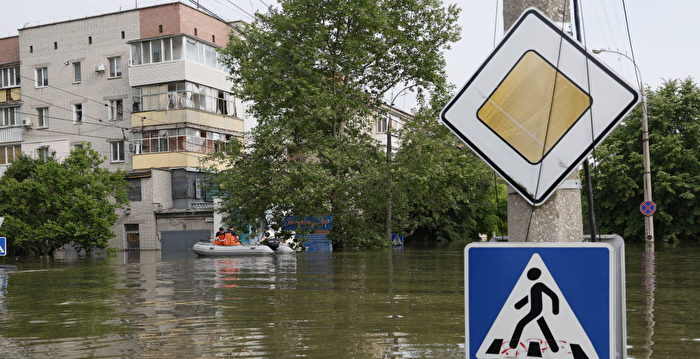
x=49, y=204
x=443, y=190
x=315, y=73
x=674, y=130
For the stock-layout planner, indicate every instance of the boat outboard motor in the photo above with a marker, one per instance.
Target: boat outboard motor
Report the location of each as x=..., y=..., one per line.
x=273, y=243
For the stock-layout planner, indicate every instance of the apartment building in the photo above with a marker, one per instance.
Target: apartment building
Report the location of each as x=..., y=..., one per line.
x=11, y=129
x=145, y=89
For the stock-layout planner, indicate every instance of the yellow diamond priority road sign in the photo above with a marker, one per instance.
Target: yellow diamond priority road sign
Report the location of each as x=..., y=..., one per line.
x=538, y=106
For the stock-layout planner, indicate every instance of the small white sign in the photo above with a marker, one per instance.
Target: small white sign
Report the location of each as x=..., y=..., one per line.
x=538, y=106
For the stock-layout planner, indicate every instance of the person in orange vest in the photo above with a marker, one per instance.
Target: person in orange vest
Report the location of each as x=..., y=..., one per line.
x=231, y=237
x=220, y=236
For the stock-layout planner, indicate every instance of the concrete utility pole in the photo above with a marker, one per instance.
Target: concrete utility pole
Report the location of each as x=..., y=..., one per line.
x=559, y=219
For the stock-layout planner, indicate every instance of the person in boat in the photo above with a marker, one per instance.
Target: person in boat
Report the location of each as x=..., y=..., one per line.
x=268, y=240
x=231, y=237
x=220, y=236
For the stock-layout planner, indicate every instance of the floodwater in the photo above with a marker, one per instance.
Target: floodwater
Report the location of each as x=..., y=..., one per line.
x=382, y=304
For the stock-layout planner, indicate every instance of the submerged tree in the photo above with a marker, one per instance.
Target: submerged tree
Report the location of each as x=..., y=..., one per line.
x=315, y=73
x=674, y=131
x=443, y=190
x=48, y=204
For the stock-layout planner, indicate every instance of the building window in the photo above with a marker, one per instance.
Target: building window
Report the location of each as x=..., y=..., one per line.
x=115, y=66
x=9, y=116
x=78, y=113
x=123, y=35
x=118, y=151
x=131, y=231
x=76, y=73
x=89, y=40
x=42, y=153
x=42, y=115
x=116, y=110
x=9, y=153
x=160, y=29
x=79, y=145
x=159, y=50
x=134, y=189
x=177, y=140
x=55, y=45
x=180, y=95
x=381, y=125
x=9, y=77
x=213, y=38
x=31, y=49
x=42, y=76
x=195, y=31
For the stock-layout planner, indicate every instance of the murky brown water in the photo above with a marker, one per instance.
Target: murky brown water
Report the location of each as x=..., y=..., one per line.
x=348, y=305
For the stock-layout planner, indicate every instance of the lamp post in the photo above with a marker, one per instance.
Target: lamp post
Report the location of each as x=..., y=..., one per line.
x=389, y=204
x=648, y=220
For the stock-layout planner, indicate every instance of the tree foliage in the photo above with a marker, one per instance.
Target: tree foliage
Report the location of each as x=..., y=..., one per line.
x=674, y=131
x=314, y=73
x=443, y=190
x=48, y=204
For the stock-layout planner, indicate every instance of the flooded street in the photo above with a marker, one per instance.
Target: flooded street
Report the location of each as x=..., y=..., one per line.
x=347, y=305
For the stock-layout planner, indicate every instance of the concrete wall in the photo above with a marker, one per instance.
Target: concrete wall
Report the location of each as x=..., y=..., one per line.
x=95, y=89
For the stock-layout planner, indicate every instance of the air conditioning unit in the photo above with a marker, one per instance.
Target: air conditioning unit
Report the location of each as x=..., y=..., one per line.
x=100, y=68
x=27, y=123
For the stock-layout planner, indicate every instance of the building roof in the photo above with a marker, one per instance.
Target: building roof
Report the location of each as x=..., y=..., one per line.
x=173, y=3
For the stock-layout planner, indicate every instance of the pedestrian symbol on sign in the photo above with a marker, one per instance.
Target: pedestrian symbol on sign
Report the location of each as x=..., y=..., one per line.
x=550, y=324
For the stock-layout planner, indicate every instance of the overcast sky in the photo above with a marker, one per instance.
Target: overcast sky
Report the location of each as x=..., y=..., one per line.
x=664, y=33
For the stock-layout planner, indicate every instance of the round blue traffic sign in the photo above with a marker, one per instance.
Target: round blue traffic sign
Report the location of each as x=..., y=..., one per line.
x=647, y=208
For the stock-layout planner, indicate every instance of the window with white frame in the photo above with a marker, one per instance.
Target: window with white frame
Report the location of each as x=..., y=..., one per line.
x=42, y=114
x=9, y=77
x=118, y=151
x=10, y=116
x=158, y=50
x=78, y=113
x=116, y=110
x=42, y=153
x=180, y=95
x=381, y=125
x=42, y=76
x=171, y=49
x=115, y=66
x=9, y=153
x=77, y=74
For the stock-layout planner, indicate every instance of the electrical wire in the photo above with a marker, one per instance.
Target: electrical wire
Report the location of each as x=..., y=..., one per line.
x=549, y=119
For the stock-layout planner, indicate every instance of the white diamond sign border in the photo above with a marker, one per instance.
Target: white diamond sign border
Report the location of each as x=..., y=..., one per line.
x=612, y=99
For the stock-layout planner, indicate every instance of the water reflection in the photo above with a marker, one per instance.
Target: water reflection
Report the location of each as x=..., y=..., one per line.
x=650, y=288
x=406, y=304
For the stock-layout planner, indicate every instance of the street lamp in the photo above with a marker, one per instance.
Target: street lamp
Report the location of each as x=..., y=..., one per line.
x=648, y=220
x=389, y=205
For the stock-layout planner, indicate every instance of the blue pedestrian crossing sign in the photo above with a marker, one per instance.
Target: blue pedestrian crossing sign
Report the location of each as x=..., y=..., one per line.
x=3, y=246
x=540, y=300
x=397, y=240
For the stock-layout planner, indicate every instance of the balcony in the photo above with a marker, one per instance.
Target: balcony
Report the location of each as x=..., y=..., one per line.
x=11, y=134
x=170, y=71
x=10, y=95
x=169, y=160
x=171, y=117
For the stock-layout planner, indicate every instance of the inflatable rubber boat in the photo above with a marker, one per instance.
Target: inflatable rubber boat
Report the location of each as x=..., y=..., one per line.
x=210, y=249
